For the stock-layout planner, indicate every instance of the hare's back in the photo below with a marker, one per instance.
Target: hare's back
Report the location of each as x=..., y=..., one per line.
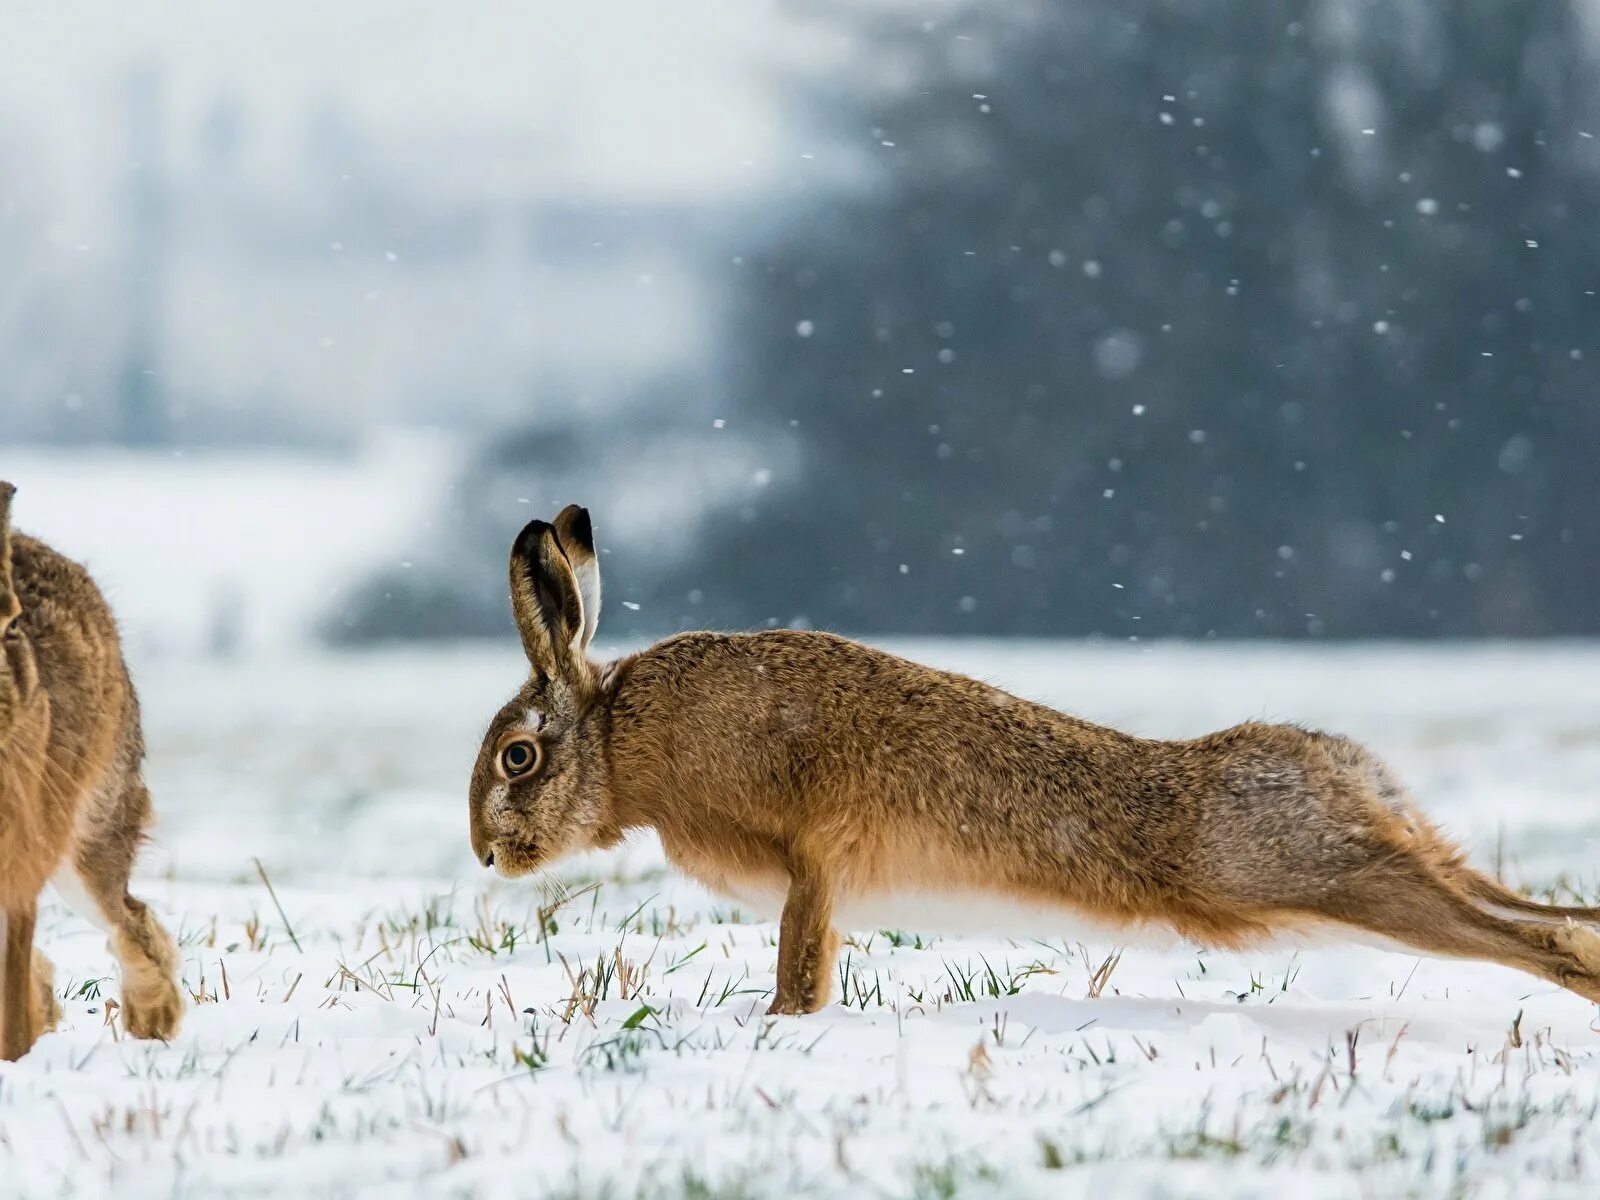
x=65, y=614
x=74, y=638
x=812, y=719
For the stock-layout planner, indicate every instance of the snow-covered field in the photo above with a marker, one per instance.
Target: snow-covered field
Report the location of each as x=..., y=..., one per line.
x=405, y=1024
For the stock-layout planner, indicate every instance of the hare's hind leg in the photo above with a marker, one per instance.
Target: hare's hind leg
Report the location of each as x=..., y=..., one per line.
x=1408, y=900
x=17, y=1029
x=96, y=885
x=1499, y=898
x=151, y=1005
x=1404, y=880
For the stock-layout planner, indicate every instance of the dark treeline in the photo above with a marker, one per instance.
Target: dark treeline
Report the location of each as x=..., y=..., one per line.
x=1175, y=318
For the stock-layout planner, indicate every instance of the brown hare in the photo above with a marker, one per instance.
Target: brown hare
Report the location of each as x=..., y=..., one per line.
x=835, y=778
x=73, y=808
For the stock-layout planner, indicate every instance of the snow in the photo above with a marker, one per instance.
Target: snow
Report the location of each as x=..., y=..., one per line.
x=412, y=1025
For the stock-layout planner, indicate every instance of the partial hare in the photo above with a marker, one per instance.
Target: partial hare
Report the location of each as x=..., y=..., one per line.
x=838, y=780
x=73, y=808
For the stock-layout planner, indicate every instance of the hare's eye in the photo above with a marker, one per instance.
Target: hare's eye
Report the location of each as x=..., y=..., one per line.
x=519, y=758
x=14, y=632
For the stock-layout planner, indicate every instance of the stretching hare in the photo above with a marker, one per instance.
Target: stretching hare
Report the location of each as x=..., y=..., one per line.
x=72, y=806
x=835, y=779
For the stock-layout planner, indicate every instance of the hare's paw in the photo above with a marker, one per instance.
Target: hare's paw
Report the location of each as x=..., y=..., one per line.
x=799, y=1002
x=153, y=1019
x=151, y=1003
x=1579, y=946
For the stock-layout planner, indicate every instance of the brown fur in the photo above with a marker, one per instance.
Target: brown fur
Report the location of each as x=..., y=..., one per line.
x=830, y=770
x=71, y=797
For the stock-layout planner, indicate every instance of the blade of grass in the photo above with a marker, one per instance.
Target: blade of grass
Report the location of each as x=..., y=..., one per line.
x=283, y=916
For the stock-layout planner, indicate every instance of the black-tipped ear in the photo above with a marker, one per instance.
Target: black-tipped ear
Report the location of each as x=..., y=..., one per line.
x=574, y=529
x=576, y=535
x=544, y=598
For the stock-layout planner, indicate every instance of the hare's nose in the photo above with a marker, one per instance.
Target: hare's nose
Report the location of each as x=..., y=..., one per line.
x=488, y=859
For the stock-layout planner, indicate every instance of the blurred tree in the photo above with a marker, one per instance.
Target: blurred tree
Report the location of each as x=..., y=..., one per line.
x=1180, y=317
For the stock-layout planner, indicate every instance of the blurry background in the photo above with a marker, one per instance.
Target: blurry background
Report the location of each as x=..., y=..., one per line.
x=1131, y=320
x=961, y=326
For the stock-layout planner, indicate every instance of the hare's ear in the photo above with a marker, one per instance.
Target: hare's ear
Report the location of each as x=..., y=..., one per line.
x=6, y=492
x=577, y=539
x=545, y=599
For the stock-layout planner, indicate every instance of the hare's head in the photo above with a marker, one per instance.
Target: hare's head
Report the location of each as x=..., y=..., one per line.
x=539, y=785
x=19, y=676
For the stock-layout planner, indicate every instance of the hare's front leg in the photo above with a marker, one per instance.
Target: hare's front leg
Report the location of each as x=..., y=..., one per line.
x=17, y=1029
x=808, y=945
x=46, y=1008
